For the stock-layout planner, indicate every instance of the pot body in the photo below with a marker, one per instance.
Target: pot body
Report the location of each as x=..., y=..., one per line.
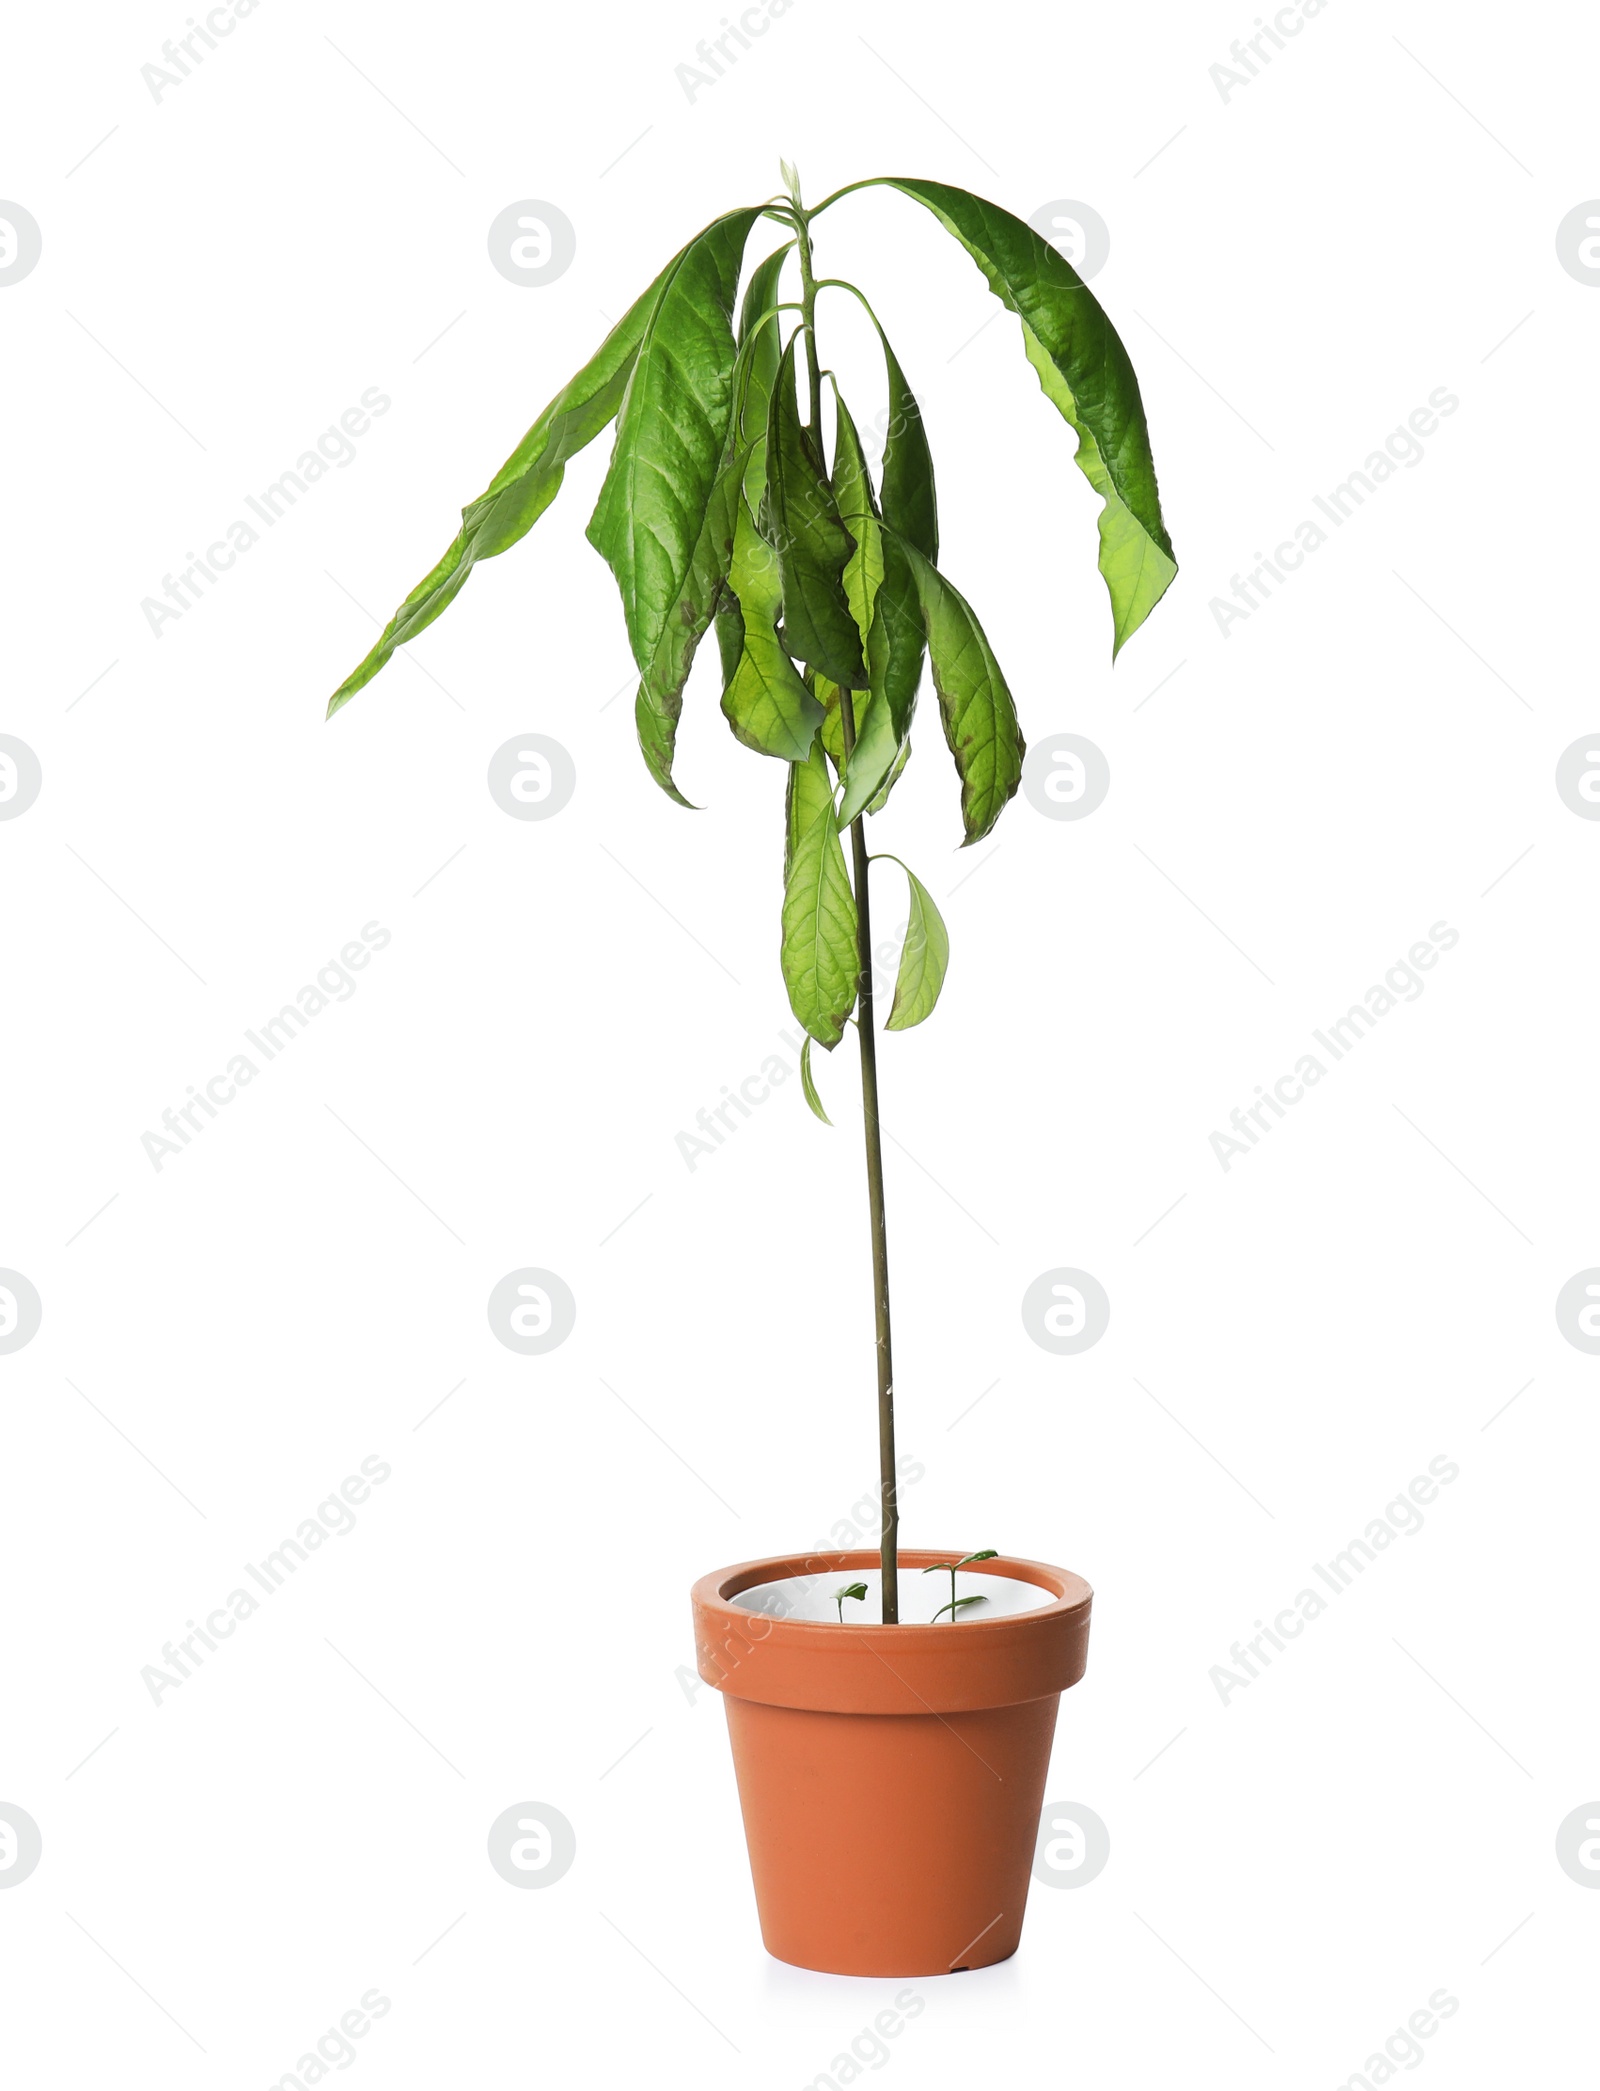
x=891, y=1778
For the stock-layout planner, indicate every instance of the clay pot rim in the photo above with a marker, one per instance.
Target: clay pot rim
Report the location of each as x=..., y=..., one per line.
x=714, y=1593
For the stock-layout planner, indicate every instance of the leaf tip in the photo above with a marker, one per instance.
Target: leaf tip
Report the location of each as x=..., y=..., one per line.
x=808, y=1083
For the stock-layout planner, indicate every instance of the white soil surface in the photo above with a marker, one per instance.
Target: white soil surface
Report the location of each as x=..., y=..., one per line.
x=811, y=1597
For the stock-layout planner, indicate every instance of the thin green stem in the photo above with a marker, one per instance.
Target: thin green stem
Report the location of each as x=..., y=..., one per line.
x=808, y=308
x=889, y=1536
x=889, y=1533
x=839, y=283
x=871, y=181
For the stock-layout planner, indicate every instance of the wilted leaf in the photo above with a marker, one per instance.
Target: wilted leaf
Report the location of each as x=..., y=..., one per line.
x=658, y=706
x=895, y=650
x=820, y=962
x=671, y=434
x=802, y=521
x=980, y=720
x=877, y=804
x=909, y=503
x=858, y=510
x=766, y=702
x=829, y=696
x=1086, y=374
x=524, y=486
x=808, y=1084
x=761, y=343
x=659, y=703
x=924, y=960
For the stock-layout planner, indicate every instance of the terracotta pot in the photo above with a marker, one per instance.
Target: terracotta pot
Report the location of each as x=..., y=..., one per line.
x=891, y=1777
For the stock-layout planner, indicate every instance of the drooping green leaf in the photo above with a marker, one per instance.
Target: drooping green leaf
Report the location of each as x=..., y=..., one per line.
x=828, y=696
x=762, y=347
x=730, y=633
x=1086, y=374
x=909, y=502
x=890, y=625
x=704, y=594
x=871, y=759
x=895, y=649
x=858, y=511
x=980, y=720
x=808, y=1084
x=987, y=1553
x=765, y=701
x=820, y=962
x=764, y=344
x=523, y=488
x=658, y=706
x=671, y=434
x=877, y=804
x=657, y=729
x=924, y=960
x=802, y=521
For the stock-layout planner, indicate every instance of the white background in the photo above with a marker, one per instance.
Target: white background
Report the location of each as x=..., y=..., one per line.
x=1292, y=805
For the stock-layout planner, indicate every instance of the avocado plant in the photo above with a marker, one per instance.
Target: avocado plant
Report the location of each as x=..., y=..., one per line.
x=725, y=504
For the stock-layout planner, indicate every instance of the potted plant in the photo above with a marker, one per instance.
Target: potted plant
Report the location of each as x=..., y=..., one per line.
x=891, y=1769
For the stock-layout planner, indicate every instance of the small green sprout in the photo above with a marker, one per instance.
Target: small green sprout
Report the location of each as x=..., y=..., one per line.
x=847, y=1590
x=958, y=1604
